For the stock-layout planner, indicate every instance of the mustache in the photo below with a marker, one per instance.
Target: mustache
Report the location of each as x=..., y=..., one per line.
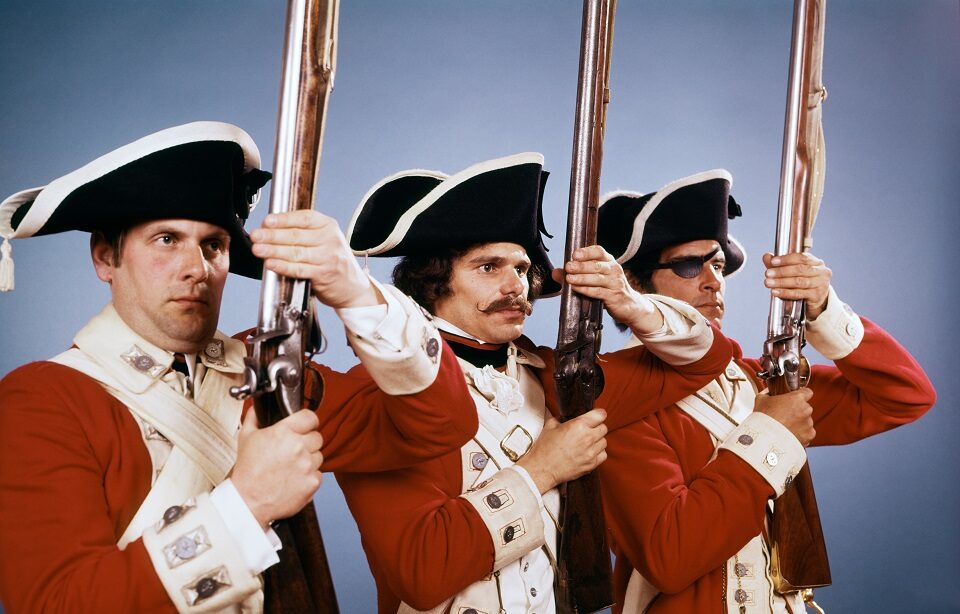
x=508, y=302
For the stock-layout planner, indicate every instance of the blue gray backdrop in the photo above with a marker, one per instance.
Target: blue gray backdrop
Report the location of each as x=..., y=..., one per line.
x=440, y=84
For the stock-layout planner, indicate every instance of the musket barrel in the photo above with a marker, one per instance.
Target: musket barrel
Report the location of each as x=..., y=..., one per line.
x=786, y=241
x=282, y=188
x=585, y=164
x=587, y=148
x=791, y=215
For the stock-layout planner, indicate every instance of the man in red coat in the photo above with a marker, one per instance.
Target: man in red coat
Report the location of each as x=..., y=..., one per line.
x=688, y=490
x=475, y=530
x=130, y=482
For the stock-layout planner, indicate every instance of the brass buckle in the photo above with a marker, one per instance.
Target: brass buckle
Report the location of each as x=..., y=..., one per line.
x=512, y=454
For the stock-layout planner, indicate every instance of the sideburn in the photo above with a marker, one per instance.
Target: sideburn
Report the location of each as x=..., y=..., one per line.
x=113, y=238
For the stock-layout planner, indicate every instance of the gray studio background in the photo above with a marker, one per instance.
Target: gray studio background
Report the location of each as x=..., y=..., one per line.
x=442, y=84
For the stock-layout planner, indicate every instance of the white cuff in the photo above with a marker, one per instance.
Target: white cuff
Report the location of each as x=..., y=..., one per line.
x=685, y=336
x=197, y=560
x=511, y=513
x=769, y=448
x=837, y=331
x=381, y=323
x=402, y=353
x=257, y=547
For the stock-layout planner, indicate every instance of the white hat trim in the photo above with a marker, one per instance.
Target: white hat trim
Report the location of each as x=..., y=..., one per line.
x=640, y=222
x=448, y=183
x=10, y=205
x=416, y=172
x=54, y=193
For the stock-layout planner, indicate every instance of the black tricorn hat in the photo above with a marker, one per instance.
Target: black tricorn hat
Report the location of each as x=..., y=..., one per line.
x=419, y=212
x=204, y=171
x=635, y=228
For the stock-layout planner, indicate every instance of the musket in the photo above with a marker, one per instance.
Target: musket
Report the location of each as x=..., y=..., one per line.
x=799, y=552
x=583, y=568
x=286, y=325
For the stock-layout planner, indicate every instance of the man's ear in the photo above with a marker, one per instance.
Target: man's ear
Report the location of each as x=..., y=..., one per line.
x=101, y=251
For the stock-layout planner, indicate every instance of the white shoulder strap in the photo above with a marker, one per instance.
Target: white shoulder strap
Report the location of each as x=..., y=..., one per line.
x=708, y=417
x=186, y=425
x=203, y=453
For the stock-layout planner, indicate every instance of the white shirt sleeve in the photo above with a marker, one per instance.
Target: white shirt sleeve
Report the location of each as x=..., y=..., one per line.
x=258, y=547
x=685, y=336
x=397, y=343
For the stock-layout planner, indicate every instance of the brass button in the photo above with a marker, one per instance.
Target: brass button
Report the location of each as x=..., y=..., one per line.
x=143, y=362
x=494, y=501
x=508, y=534
x=433, y=347
x=740, y=596
x=745, y=439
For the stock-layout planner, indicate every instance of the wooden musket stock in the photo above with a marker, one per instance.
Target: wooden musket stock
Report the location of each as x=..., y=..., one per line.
x=584, y=571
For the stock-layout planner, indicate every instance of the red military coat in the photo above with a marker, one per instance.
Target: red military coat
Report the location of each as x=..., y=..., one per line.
x=74, y=470
x=425, y=543
x=677, y=517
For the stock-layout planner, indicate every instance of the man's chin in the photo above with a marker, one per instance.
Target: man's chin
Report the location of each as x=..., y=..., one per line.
x=190, y=337
x=505, y=334
x=712, y=314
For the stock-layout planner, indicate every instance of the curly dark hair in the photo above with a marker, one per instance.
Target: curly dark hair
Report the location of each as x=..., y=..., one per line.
x=427, y=278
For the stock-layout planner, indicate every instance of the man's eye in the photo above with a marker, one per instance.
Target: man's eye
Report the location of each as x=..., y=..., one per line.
x=521, y=270
x=486, y=268
x=165, y=239
x=719, y=266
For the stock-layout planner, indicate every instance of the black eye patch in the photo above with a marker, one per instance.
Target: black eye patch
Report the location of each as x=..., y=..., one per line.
x=688, y=267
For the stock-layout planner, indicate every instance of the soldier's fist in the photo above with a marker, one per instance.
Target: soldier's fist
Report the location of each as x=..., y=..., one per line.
x=278, y=467
x=564, y=452
x=792, y=410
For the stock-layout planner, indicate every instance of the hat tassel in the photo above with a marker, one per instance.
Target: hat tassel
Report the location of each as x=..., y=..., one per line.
x=6, y=266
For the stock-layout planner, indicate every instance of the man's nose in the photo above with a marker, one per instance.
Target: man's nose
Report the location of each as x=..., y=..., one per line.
x=195, y=265
x=711, y=278
x=512, y=283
